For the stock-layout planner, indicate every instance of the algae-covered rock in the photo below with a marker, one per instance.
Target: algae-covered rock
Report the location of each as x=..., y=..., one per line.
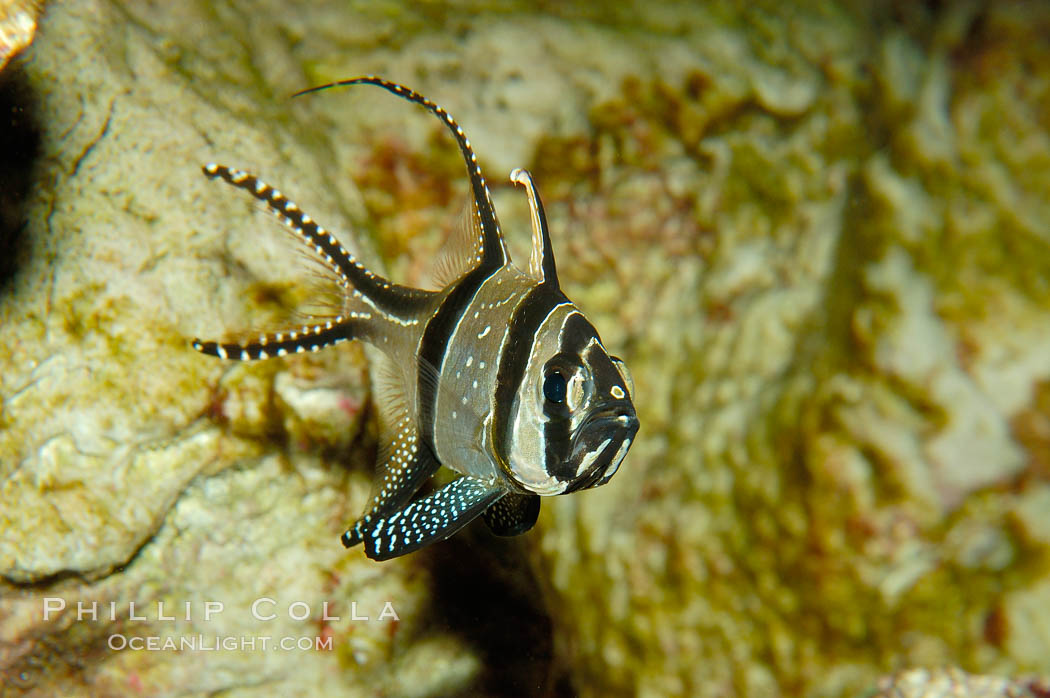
x=18, y=20
x=163, y=516
x=819, y=236
x=953, y=683
x=838, y=318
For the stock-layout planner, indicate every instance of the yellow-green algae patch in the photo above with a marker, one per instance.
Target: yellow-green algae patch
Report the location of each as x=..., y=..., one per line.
x=826, y=481
x=135, y=470
x=817, y=235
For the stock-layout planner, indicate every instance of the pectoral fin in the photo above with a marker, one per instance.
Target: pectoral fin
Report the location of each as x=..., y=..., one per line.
x=513, y=514
x=430, y=519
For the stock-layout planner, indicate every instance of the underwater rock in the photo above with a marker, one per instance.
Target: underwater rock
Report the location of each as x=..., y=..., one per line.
x=954, y=683
x=18, y=20
x=838, y=320
x=148, y=494
x=818, y=237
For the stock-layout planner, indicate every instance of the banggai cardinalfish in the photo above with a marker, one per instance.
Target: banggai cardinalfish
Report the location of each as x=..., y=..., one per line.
x=497, y=376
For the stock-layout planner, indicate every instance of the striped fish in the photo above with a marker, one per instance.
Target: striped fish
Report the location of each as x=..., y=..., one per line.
x=498, y=375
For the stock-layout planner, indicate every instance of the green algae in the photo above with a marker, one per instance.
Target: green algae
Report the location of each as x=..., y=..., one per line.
x=830, y=548
x=753, y=232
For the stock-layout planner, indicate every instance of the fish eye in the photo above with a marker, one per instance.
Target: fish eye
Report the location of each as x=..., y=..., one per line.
x=555, y=387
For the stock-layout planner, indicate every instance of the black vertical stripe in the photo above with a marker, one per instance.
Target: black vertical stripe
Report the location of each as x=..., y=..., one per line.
x=596, y=471
x=557, y=438
x=603, y=370
x=434, y=345
x=550, y=270
x=521, y=337
x=575, y=336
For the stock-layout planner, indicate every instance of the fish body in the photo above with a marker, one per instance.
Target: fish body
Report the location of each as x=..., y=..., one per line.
x=498, y=375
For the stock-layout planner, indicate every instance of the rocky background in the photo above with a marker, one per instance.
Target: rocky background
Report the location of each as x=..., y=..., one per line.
x=818, y=234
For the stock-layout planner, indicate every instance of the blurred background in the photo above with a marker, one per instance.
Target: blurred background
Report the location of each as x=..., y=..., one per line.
x=818, y=233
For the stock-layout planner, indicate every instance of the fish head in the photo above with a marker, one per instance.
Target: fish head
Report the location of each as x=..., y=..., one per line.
x=574, y=418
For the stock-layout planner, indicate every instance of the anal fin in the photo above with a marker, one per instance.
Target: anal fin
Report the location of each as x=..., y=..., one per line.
x=513, y=514
x=407, y=464
x=404, y=461
x=429, y=519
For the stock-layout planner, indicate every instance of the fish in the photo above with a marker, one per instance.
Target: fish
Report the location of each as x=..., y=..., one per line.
x=497, y=376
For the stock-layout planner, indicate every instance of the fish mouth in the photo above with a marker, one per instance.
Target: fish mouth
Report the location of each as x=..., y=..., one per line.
x=611, y=429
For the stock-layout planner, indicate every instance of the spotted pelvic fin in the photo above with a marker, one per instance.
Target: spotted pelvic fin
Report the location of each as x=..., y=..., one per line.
x=429, y=519
x=513, y=515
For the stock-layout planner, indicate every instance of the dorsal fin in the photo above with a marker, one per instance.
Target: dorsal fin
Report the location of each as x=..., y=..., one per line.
x=493, y=249
x=460, y=252
x=541, y=261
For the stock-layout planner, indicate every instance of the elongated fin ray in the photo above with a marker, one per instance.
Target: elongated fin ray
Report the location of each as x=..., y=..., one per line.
x=513, y=514
x=493, y=248
x=305, y=338
x=427, y=520
x=541, y=261
x=357, y=281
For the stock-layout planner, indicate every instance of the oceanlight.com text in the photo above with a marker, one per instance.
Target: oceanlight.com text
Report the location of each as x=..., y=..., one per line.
x=217, y=643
